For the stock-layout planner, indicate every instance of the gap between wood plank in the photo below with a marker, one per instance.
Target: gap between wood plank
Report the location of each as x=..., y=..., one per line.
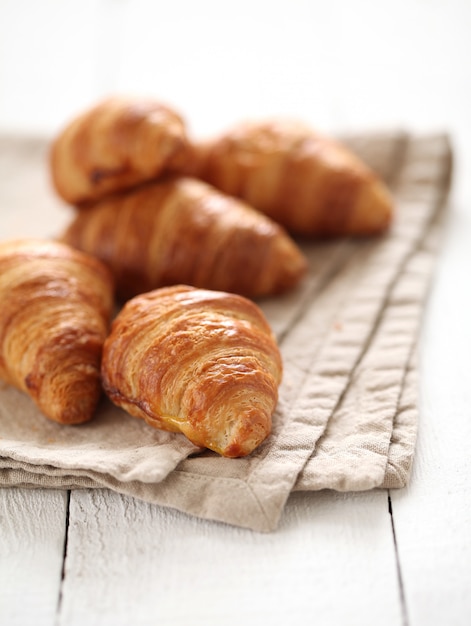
x=64, y=556
x=402, y=595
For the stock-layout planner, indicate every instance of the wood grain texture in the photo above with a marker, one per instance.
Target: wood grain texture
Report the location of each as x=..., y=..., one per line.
x=173, y=569
x=433, y=515
x=32, y=531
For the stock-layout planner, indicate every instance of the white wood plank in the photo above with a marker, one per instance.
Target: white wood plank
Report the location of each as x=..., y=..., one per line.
x=433, y=516
x=330, y=562
x=32, y=532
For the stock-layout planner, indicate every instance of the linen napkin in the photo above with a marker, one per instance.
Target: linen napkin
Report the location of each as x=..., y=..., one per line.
x=347, y=415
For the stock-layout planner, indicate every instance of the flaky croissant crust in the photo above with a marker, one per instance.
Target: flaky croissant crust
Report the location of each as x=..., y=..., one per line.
x=55, y=313
x=116, y=144
x=199, y=362
x=304, y=180
x=181, y=230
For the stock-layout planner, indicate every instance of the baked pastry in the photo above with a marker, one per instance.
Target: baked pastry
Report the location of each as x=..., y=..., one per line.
x=307, y=182
x=182, y=230
x=194, y=361
x=117, y=144
x=54, y=317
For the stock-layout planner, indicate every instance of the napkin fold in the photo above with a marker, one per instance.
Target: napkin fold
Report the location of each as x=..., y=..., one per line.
x=347, y=415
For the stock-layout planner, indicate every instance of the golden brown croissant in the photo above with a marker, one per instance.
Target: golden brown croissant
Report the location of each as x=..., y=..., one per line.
x=307, y=182
x=54, y=317
x=199, y=362
x=181, y=230
x=115, y=145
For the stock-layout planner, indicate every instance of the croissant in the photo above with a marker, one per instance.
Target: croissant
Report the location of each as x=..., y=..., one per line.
x=181, y=230
x=307, y=182
x=200, y=362
x=54, y=317
x=118, y=143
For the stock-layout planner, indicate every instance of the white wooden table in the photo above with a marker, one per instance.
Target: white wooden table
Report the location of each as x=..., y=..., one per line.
x=377, y=558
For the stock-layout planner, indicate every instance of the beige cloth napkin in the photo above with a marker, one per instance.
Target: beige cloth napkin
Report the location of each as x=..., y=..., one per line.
x=347, y=415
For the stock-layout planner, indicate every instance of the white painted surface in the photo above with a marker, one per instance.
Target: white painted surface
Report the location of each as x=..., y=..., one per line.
x=32, y=535
x=340, y=65
x=433, y=515
x=173, y=569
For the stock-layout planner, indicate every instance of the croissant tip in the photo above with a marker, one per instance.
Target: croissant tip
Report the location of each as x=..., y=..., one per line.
x=242, y=435
x=374, y=210
x=291, y=264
